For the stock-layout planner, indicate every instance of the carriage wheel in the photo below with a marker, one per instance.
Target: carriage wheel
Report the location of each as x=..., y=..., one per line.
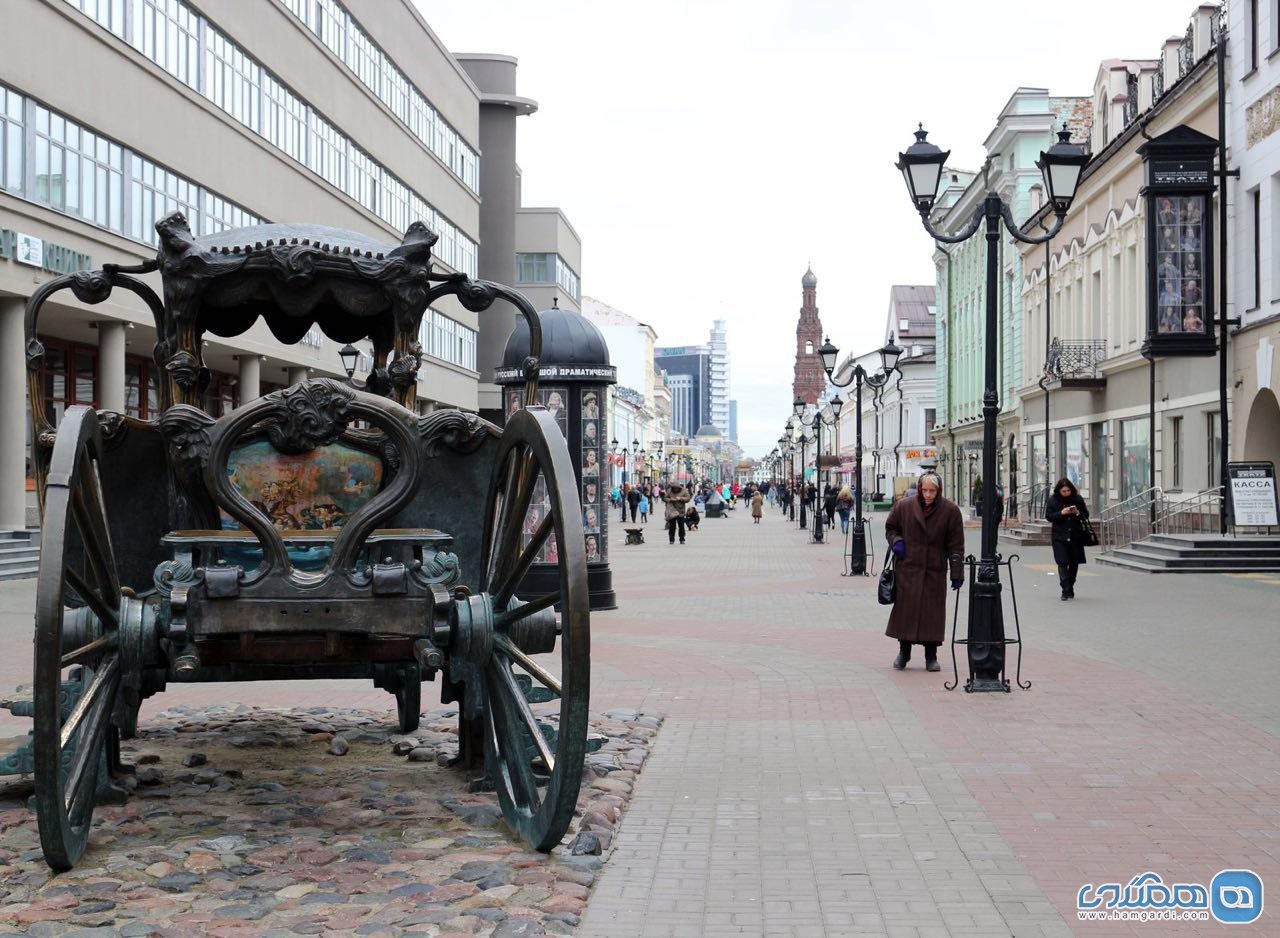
x=537, y=774
x=77, y=653
x=409, y=701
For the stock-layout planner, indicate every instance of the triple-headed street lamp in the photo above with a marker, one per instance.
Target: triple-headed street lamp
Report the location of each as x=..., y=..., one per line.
x=889, y=354
x=921, y=166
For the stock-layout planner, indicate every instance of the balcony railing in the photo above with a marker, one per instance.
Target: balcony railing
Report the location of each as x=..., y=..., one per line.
x=1075, y=358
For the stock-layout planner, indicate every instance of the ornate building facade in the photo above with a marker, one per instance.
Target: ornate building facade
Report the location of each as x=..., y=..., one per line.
x=809, y=381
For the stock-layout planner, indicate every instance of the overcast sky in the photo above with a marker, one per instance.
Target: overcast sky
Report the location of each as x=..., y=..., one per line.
x=707, y=150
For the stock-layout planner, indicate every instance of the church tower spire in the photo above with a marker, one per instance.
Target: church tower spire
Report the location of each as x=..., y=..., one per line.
x=810, y=380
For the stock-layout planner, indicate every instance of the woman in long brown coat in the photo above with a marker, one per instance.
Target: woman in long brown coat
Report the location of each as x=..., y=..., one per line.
x=926, y=536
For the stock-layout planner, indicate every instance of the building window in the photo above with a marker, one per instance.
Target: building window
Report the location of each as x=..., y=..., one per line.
x=533, y=268
x=11, y=147
x=448, y=340
x=1134, y=457
x=1255, y=214
x=77, y=171
x=1252, y=38
x=1213, y=468
x=284, y=122
x=67, y=376
x=168, y=33
x=220, y=397
x=194, y=51
x=156, y=193
x=82, y=173
x=141, y=388
x=1175, y=453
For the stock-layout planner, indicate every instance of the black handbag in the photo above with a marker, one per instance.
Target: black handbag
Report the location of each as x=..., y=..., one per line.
x=1088, y=536
x=887, y=589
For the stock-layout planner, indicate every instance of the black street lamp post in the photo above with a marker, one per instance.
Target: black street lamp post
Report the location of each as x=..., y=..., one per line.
x=921, y=166
x=889, y=354
x=816, y=425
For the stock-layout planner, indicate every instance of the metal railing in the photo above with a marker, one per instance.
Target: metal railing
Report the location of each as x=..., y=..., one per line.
x=1031, y=501
x=1130, y=520
x=1075, y=358
x=1199, y=514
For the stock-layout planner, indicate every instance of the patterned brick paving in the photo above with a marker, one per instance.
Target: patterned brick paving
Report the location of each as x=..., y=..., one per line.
x=802, y=787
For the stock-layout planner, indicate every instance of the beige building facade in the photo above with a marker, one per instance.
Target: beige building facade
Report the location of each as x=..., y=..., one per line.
x=115, y=114
x=1084, y=349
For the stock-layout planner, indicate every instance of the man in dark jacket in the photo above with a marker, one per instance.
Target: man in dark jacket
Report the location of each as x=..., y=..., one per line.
x=633, y=502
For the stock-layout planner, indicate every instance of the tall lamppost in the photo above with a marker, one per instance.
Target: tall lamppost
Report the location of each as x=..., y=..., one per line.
x=921, y=166
x=889, y=354
x=815, y=424
x=799, y=428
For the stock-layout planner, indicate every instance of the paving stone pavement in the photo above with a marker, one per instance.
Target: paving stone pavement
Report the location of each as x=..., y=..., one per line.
x=800, y=786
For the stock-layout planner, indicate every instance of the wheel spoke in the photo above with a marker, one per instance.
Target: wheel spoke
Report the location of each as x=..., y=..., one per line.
x=87, y=502
x=88, y=651
x=512, y=689
x=511, y=749
x=107, y=615
x=525, y=610
x=507, y=647
x=527, y=556
x=89, y=741
x=102, y=679
x=516, y=507
x=498, y=522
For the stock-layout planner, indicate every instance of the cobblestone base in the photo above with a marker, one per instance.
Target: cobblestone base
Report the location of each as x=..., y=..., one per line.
x=270, y=821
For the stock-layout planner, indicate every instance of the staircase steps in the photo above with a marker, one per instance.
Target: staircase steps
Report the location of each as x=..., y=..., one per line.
x=1197, y=553
x=19, y=554
x=1034, y=533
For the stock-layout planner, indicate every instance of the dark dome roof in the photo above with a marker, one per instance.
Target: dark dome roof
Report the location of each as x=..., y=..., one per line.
x=809, y=279
x=708, y=429
x=568, y=338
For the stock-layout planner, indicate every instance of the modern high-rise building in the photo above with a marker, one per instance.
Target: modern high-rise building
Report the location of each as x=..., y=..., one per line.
x=719, y=376
x=688, y=369
x=733, y=421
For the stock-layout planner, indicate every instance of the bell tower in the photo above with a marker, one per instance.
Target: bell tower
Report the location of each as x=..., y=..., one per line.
x=810, y=380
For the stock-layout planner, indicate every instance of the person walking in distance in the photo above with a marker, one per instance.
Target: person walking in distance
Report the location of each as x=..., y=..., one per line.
x=644, y=509
x=633, y=502
x=677, y=500
x=757, y=506
x=844, y=505
x=926, y=536
x=1065, y=510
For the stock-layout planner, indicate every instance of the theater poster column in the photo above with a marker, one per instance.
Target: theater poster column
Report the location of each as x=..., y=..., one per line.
x=13, y=415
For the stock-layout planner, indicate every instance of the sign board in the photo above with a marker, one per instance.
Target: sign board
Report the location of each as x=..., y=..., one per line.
x=828, y=461
x=36, y=252
x=561, y=373
x=1253, y=494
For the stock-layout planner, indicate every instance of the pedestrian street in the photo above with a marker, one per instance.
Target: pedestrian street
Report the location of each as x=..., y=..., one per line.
x=800, y=786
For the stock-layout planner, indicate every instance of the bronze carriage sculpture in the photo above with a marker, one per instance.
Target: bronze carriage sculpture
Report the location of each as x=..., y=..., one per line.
x=159, y=564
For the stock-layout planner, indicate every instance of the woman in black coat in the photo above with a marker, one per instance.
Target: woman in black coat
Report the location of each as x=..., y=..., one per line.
x=1065, y=509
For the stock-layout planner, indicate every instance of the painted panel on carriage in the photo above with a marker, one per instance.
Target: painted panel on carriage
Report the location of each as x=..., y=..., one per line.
x=312, y=491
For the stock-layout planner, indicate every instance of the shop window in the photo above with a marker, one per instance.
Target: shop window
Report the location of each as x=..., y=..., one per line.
x=141, y=388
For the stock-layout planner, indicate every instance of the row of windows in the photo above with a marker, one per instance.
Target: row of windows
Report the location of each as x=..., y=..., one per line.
x=448, y=340
x=338, y=30
x=193, y=50
x=547, y=268
x=50, y=159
